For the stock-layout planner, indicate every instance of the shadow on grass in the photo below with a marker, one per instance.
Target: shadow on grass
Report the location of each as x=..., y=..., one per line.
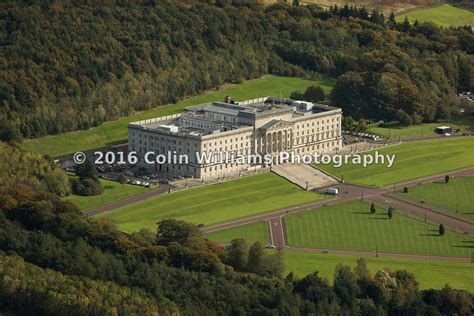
x=379, y=217
x=108, y=187
x=362, y=213
x=462, y=246
x=434, y=233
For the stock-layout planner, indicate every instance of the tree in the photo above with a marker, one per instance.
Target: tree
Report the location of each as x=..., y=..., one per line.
x=446, y=179
x=345, y=285
x=87, y=187
x=315, y=289
x=273, y=264
x=122, y=179
x=9, y=133
x=372, y=208
x=390, y=212
x=173, y=230
x=255, y=258
x=238, y=254
x=404, y=118
x=87, y=170
x=442, y=113
x=391, y=20
x=441, y=230
x=348, y=123
x=314, y=94
x=296, y=95
x=406, y=25
x=362, y=125
x=405, y=189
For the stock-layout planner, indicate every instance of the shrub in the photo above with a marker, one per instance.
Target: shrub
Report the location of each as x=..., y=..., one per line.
x=441, y=229
x=86, y=187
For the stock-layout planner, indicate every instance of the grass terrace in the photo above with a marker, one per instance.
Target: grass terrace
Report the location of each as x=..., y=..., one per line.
x=351, y=226
x=414, y=131
x=215, y=203
x=456, y=196
x=113, y=191
x=253, y=232
x=413, y=160
x=429, y=273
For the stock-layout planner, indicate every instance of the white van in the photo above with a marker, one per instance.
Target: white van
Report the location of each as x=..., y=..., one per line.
x=332, y=191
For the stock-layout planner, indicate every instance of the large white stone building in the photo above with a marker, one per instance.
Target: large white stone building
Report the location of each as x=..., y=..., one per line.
x=261, y=127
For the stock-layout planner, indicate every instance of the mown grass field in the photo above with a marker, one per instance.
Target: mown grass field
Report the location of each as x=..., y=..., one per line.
x=414, y=131
x=453, y=196
x=429, y=273
x=445, y=15
x=113, y=191
x=213, y=203
x=251, y=233
x=413, y=160
x=115, y=132
x=350, y=226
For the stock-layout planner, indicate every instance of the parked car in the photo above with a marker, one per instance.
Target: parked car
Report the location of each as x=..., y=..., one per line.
x=270, y=246
x=71, y=169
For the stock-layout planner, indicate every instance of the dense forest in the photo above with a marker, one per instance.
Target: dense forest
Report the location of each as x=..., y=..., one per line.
x=68, y=65
x=54, y=261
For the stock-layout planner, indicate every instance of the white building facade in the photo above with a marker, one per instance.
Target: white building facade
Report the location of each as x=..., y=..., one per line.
x=234, y=134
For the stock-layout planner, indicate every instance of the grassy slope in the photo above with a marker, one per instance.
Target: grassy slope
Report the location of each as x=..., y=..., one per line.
x=429, y=273
x=414, y=130
x=458, y=192
x=385, y=6
x=113, y=192
x=251, y=233
x=351, y=226
x=413, y=160
x=214, y=203
x=114, y=132
x=445, y=15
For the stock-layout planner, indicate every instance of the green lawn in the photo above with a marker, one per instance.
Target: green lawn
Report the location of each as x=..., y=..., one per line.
x=413, y=160
x=413, y=131
x=429, y=273
x=113, y=191
x=455, y=195
x=250, y=232
x=115, y=132
x=445, y=15
x=351, y=226
x=214, y=203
